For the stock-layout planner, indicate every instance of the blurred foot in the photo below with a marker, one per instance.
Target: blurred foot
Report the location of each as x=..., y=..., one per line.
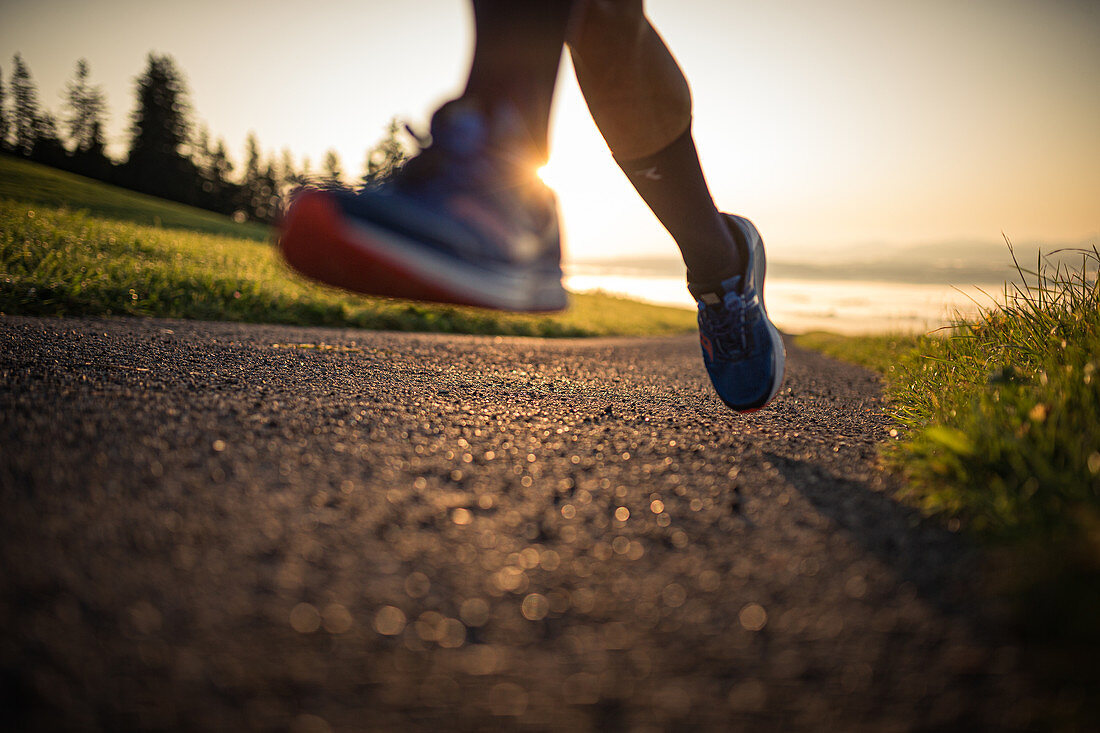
x=467, y=221
x=742, y=349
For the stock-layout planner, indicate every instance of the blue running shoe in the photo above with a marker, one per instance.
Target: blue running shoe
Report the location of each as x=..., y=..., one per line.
x=742, y=349
x=467, y=221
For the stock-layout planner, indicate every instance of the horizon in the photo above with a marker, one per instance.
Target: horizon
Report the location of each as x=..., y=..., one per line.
x=869, y=126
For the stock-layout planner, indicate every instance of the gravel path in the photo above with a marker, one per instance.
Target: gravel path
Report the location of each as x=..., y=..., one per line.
x=227, y=526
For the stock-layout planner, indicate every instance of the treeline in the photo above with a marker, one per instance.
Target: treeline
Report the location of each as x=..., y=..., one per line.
x=168, y=155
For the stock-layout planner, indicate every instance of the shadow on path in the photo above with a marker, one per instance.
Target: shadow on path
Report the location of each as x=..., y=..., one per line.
x=937, y=562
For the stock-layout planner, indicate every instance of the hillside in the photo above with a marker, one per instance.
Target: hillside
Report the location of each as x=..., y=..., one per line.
x=32, y=183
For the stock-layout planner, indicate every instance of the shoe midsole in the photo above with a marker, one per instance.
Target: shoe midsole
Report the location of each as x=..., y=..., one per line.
x=517, y=289
x=760, y=268
x=779, y=352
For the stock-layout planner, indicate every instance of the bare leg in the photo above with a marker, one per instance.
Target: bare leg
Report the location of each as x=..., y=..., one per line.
x=516, y=59
x=635, y=90
x=642, y=105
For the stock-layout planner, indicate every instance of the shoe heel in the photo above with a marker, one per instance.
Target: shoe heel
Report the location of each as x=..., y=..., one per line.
x=310, y=217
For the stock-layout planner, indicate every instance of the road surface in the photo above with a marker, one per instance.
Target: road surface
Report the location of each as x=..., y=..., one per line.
x=243, y=527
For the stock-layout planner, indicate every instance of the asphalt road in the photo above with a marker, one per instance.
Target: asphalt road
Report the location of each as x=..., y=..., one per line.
x=240, y=527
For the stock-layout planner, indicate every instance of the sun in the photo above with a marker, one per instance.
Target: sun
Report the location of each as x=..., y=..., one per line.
x=550, y=175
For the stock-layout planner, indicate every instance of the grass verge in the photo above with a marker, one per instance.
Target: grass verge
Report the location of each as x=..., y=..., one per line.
x=1003, y=412
x=22, y=180
x=882, y=353
x=59, y=262
x=1000, y=437
x=1007, y=412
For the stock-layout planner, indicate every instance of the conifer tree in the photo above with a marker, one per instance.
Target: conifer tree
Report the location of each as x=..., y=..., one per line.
x=48, y=148
x=385, y=158
x=252, y=195
x=288, y=177
x=202, y=156
x=213, y=169
x=3, y=114
x=225, y=192
x=25, y=108
x=159, y=131
x=86, y=106
x=251, y=173
x=94, y=162
x=269, y=191
x=220, y=162
x=200, y=150
x=332, y=170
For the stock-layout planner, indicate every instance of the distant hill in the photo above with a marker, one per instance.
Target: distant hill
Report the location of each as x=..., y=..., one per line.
x=948, y=263
x=22, y=180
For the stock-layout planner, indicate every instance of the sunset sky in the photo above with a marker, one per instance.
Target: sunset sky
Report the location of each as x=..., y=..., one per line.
x=832, y=125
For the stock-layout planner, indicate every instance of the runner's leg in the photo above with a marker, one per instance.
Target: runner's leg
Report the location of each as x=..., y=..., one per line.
x=516, y=58
x=641, y=103
x=466, y=220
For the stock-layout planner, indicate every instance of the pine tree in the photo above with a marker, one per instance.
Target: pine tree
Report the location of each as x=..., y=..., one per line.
x=203, y=156
x=200, y=150
x=159, y=131
x=220, y=162
x=387, y=157
x=251, y=173
x=332, y=170
x=252, y=195
x=213, y=168
x=288, y=178
x=25, y=108
x=269, y=192
x=94, y=162
x=86, y=108
x=225, y=192
x=3, y=114
x=47, y=148
x=99, y=143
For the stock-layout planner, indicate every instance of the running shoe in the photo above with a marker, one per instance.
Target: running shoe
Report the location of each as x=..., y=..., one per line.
x=467, y=221
x=742, y=349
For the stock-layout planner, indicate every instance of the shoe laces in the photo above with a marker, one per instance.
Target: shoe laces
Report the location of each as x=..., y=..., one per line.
x=729, y=325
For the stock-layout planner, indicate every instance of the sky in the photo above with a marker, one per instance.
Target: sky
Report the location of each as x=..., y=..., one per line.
x=852, y=125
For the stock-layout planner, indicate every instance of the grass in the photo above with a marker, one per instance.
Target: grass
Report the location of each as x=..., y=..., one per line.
x=59, y=262
x=1005, y=441
x=1008, y=411
x=22, y=180
x=1001, y=435
x=881, y=353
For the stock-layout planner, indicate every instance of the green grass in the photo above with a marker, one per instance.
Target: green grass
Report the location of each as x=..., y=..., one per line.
x=1005, y=411
x=59, y=262
x=882, y=353
x=22, y=180
x=1000, y=422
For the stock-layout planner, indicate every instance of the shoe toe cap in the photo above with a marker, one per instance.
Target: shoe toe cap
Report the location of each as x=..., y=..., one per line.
x=745, y=384
x=748, y=381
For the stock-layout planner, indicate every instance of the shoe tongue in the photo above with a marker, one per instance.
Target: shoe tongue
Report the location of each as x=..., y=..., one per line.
x=459, y=128
x=733, y=285
x=464, y=127
x=715, y=295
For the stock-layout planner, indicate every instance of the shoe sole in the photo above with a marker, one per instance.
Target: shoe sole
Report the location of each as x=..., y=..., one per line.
x=760, y=267
x=319, y=241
